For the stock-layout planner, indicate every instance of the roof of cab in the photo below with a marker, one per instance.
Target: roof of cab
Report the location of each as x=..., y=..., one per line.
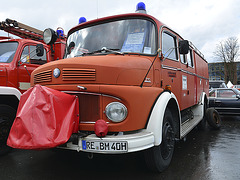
x=110, y=18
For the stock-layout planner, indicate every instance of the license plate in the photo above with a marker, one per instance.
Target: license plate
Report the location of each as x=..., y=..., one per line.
x=105, y=146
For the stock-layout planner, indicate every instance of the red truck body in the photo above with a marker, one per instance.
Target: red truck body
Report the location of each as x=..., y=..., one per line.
x=139, y=86
x=18, y=59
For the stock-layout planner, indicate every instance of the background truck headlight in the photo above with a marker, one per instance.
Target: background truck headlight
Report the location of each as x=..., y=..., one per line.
x=49, y=36
x=116, y=111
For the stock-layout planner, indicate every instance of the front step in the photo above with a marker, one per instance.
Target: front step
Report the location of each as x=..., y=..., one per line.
x=189, y=124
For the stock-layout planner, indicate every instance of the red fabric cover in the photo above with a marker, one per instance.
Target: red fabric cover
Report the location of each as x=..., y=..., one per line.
x=101, y=128
x=45, y=118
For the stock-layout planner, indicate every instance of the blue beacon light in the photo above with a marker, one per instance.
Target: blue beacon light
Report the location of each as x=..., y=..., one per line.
x=141, y=8
x=82, y=20
x=60, y=33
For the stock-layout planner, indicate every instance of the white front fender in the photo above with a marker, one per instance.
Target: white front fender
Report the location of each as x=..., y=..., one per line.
x=10, y=91
x=156, y=118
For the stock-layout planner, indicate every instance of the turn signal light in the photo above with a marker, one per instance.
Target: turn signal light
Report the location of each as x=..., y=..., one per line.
x=168, y=87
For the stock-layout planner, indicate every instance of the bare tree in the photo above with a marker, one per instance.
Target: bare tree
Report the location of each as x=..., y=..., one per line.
x=228, y=51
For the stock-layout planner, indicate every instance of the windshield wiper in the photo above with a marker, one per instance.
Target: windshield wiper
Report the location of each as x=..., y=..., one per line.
x=104, y=50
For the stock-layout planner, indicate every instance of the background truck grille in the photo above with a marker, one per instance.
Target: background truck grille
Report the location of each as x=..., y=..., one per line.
x=45, y=76
x=71, y=74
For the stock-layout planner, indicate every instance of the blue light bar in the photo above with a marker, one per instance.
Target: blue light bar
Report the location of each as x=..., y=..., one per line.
x=141, y=8
x=82, y=20
x=60, y=33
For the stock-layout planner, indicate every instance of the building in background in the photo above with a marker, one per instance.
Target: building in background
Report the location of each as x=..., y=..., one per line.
x=217, y=72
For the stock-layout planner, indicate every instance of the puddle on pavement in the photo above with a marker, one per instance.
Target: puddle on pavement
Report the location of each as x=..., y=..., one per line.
x=210, y=154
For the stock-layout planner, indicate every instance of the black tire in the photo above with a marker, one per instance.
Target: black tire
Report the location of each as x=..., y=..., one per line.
x=159, y=157
x=7, y=116
x=213, y=118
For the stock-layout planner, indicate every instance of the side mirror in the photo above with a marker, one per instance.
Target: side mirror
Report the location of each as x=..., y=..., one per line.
x=238, y=96
x=183, y=47
x=39, y=50
x=70, y=47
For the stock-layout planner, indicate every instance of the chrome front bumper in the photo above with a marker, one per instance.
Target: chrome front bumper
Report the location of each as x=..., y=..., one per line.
x=135, y=142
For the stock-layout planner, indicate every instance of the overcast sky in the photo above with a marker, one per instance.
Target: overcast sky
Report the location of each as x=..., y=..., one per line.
x=204, y=22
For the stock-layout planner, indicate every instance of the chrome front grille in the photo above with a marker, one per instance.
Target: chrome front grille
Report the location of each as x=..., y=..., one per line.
x=71, y=74
x=89, y=106
x=45, y=76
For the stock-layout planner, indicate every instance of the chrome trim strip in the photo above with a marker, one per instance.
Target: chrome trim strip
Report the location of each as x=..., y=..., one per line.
x=184, y=71
x=90, y=93
x=89, y=122
x=77, y=92
x=170, y=68
x=111, y=97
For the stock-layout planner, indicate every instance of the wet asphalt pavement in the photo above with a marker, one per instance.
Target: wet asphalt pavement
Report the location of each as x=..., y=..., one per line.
x=209, y=154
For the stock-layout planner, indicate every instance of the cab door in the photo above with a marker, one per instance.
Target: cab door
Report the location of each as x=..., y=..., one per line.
x=170, y=65
x=227, y=102
x=188, y=80
x=28, y=61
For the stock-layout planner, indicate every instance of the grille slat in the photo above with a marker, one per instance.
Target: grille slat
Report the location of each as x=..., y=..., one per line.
x=68, y=74
x=79, y=74
x=45, y=76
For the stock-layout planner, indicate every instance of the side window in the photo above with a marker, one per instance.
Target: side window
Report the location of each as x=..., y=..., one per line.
x=190, y=58
x=34, y=59
x=226, y=94
x=25, y=55
x=183, y=58
x=169, y=46
x=29, y=56
x=212, y=93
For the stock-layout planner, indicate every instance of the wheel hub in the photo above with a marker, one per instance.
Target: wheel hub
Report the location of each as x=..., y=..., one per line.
x=167, y=141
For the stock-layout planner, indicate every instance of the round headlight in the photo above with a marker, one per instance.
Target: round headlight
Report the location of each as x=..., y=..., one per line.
x=56, y=72
x=116, y=111
x=49, y=36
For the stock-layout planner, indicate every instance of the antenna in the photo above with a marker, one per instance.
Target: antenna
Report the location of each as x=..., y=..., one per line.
x=158, y=51
x=97, y=9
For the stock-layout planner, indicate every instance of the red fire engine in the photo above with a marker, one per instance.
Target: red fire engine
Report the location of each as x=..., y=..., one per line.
x=18, y=58
x=127, y=83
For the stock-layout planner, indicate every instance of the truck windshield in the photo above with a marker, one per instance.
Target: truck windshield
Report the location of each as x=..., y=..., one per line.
x=7, y=51
x=125, y=36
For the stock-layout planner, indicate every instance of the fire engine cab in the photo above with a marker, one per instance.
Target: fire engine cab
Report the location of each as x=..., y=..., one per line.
x=18, y=58
x=127, y=83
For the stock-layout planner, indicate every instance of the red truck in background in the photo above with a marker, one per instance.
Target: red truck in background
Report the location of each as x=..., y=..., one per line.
x=127, y=83
x=18, y=58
